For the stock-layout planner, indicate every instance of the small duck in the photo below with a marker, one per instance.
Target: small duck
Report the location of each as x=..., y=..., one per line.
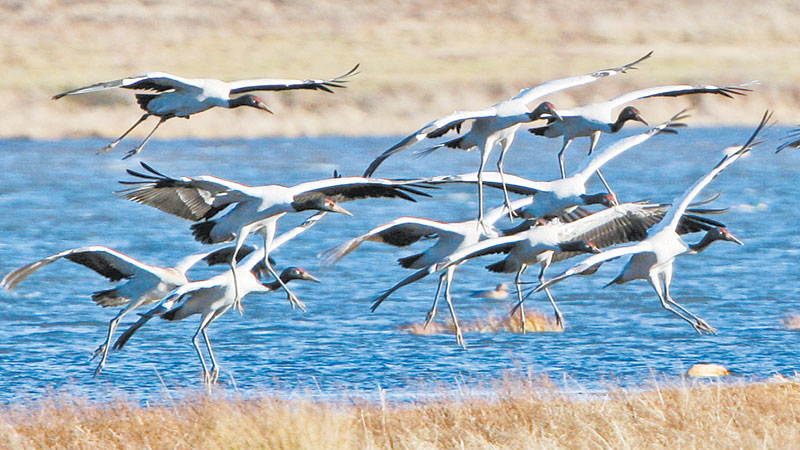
x=498, y=293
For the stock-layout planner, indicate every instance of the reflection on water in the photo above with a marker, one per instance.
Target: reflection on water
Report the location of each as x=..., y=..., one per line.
x=58, y=195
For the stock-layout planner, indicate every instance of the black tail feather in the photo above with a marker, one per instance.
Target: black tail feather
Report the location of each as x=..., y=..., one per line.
x=170, y=315
x=538, y=131
x=408, y=261
x=144, y=99
x=202, y=231
x=499, y=267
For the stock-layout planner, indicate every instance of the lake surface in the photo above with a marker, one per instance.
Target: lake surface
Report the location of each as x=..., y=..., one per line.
x=59, y=195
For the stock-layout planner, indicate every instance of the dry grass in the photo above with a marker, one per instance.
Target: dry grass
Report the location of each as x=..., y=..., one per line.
x=511, y=416
x=420, y=59
x=534, y=322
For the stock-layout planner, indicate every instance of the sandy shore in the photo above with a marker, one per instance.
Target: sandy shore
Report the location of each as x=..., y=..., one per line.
x=420, y=60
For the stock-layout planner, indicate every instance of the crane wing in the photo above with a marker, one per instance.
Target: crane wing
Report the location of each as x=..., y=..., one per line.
x=277, y=84
x=514, y=183
x=106, y=261
x=591, y=163
x=153, y=81
x=671, y=220
x=596, y=259
x=194, y=199
x=676, y=90
x=531, y=94
x=345, y=189
x=435, y=129
x=399, y=232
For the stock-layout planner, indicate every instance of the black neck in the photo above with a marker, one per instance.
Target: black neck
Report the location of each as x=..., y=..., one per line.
x=616, y=126
x=703, y=244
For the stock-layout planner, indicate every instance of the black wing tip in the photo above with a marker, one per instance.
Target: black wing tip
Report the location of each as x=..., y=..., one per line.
x=623, y=68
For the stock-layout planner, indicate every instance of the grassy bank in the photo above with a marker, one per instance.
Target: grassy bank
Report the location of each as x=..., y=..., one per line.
x=420, y=60
x=517, y=416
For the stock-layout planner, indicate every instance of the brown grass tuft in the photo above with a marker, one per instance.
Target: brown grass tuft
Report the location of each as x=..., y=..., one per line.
x=534, y=321
x=509, y=416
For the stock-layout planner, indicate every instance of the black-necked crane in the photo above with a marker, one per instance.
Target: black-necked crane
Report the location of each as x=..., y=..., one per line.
x=555, y=240
x=166, y=96
x=249, y=208
x=495, y=125
x=145, y=283
x=251, y=268
x=553, y=198
x=594, y=119
x=450, y=237
x=212, y=298
x=653, y=258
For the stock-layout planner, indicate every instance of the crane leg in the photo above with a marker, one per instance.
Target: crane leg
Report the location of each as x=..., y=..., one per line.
x=456, y=325
x=700, y=325
x=206, y=373
x=432, y=312
x=112, y=327
x=147, y=138
x=505, y=144
x=655, y=281
x=592, y=146
x=518, y=286
x=117, y=140
x=559, y=316
x=485, y=151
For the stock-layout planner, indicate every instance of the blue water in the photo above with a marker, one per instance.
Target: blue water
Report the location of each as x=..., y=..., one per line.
x=60, y=194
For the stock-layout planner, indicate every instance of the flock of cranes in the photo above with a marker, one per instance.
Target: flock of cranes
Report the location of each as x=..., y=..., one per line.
x=553, y=222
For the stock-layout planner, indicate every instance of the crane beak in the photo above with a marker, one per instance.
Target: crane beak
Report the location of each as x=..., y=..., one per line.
x=733, y=238
x=263, y=106
x=338, y=209
x=639, y=118
x=308, y=277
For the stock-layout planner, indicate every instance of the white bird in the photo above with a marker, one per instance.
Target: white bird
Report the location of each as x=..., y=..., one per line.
x=219, y=288
x=553, y=198
x=653, y=258
x=169, y=96
x=145, y=283
x=594, y=119
x=212, y=298
x=199, y=199
x=450, y=237
x=500, y=292
x=556, y=240
x=496, y=124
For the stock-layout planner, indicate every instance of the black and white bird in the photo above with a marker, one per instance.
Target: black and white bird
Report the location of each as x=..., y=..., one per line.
x=220, y=257
x=556, y=240
x=553, y=198
x=250, y=208
x=496, y=124
x=592, y=120
x=145, y=283
x=166, y=96
x=653, y=258
x=212, y=298
x=450, y=237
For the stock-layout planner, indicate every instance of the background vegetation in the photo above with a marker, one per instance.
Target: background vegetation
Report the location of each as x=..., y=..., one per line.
x=420, y=59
